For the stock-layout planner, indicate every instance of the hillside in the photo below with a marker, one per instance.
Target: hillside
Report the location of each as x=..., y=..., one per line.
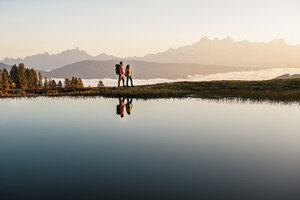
x=288, y=76
x=141, y=70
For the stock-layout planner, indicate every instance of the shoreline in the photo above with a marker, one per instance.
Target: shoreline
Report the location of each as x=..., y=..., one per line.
x=278, y=90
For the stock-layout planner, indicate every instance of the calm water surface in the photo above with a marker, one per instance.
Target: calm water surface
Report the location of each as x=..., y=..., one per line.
x=67, y=148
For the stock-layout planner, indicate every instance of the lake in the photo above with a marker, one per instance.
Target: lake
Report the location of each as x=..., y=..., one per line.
x=82, y=148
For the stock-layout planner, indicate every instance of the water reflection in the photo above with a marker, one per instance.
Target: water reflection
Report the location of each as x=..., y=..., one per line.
x=121, y=107
x=62, y=148
x=129, y=106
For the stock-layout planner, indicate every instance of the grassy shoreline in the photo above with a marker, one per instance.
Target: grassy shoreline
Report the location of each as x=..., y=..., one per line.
x=278, y=90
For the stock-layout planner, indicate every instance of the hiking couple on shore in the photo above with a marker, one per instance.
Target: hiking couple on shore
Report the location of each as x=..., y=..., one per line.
x=120, y=73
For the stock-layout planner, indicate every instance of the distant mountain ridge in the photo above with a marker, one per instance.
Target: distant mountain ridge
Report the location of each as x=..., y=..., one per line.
x=49, y=62
x=141, y=70
x=224, y=52
x=91, y=69
x=274, y=54
x=2, y=66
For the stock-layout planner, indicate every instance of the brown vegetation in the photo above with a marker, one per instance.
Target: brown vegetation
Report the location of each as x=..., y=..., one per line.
x=279, y=90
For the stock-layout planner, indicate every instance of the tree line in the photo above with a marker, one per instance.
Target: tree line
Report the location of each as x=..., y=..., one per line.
x=23, y=78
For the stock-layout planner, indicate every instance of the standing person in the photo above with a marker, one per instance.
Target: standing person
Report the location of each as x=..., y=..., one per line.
x=128, y=74
x=121, y=74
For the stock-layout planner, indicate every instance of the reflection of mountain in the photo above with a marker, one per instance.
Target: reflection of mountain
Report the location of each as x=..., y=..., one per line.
x=49, y=62
x=230, y=53
x=142, y=70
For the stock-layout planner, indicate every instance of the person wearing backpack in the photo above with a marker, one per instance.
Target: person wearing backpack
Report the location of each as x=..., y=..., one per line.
x=120, y=73
x=128, y=74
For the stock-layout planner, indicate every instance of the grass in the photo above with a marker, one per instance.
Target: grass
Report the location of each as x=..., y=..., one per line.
x=278, y=90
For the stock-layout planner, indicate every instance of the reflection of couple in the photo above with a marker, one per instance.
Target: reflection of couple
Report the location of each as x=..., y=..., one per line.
x=121, y=107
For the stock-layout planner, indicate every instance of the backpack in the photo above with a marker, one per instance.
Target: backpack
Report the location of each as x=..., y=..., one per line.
x=118, y=69
x=127, y=72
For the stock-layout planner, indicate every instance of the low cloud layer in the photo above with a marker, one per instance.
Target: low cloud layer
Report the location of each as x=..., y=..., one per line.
x=264, y=74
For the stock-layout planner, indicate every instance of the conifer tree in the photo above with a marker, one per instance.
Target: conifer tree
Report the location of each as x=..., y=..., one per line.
x=46, y=83
x=52, y=84
x=68, y=83
x=6, y=72
x=32, y=78
x=0, y=79
x=22, y=80
x=80, y=83
x=76, y=83
x=14, y=74
x=5, y=83
x=28, y=78
x=73, y=85
x=40, y=81
x=60, y=85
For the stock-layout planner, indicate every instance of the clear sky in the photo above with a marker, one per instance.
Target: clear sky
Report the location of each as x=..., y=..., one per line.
x=137, y=27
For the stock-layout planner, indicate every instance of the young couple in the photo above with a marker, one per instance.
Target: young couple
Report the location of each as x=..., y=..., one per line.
x=120, y=73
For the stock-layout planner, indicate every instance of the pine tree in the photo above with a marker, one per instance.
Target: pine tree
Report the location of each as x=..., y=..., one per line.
x=28, y=78
x=68, y=83
x=76, y=83
x=6, y=72
x=59, y=84
x=0, y=79
x=22, y=80
x=5, y=83
x=80, y=83
x=73, y=85
x=40, y=81
x=14, y=74
x=46, y=83
x=53, y=84
x=33, y=78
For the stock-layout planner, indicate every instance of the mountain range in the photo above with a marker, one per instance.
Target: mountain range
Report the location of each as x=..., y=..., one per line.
x=49, y=62
x=273, y=54
x=141, y=70
x=2, y=66
x=225, y=52
x=91, y=69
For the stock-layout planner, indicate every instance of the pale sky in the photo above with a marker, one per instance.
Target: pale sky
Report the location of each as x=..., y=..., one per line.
x=138, y=27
